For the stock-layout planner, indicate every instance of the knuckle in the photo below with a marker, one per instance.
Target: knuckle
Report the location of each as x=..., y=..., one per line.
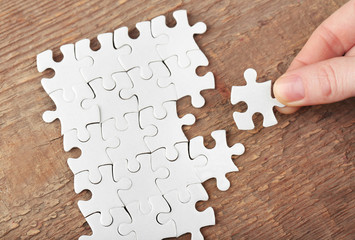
x=327, y=80
x=331, y=40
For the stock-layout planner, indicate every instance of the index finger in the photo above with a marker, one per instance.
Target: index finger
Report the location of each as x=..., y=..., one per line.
x=333, y=38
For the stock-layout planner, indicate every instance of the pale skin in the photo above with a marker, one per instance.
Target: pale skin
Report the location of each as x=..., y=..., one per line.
x=324, y=70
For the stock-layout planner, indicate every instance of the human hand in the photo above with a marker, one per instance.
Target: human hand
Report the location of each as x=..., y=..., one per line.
x=324, y=70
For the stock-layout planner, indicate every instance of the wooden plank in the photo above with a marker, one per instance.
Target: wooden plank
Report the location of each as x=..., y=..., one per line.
x=296, y=179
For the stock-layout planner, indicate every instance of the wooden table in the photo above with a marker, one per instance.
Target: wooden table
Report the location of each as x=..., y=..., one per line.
x=296, y=179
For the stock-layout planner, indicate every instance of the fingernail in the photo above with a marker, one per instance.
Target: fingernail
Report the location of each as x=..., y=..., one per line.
x=289, y=88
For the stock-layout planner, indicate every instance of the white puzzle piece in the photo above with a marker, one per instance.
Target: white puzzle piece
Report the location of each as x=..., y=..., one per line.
x=143, y=49
x=145, y=226
x=71, y=114
x=187, y=219
x=148, y=92
x=219, y=158
x=169, y=129
x=100, y=232
x=105, y=60
x=258, y=98
x=110, y=103
x=143, y=182
x=66, y=72
x=186, y=81
x=104, y=195
x=131, y=140
x=181, y=171
x=93, y=152
x=181, y=37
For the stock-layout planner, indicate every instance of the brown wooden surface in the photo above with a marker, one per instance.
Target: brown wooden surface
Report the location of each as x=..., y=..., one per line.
x=296, y=179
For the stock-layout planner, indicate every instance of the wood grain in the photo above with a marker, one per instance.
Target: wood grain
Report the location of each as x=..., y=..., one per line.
x=296, y=179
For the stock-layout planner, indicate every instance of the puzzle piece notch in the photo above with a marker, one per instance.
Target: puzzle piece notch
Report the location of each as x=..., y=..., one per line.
x=181, y=36
x=119, y=215
x=143, y=49
x=148, y=92
x=131, y=139
x=71, y=115
x=110, y=103
x=105, y=60
x=258, y=98
x=169, y=129
x=186, y=81
x=181, y=171
x=146, y=226
x=187, y=219
x=104, y=194
x=93, y=152
x=219, y=161
x=66, y=72
x=143, y=182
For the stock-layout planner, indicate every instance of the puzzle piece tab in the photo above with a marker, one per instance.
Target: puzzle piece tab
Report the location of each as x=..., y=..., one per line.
x=145, y=226
x=219, y=161
x=93, y=152
x=148, y=92
x=67, y=72
x=142, y=49
x=181, y=171
x=71, y=115
x=132, y=141
x=104, y=195
x=187, y=219
x=110, y=103
x=100, y=232
x=181, y=37
x=105, y=60
x=143, y=182
x=183, y=77
x=258, y=98
x=169, y=129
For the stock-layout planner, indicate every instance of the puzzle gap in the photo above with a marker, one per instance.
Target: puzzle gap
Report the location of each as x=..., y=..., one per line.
x=95, y=44
x=241, y=107
x=57, y=55
x=170, y=20
x=133, y=33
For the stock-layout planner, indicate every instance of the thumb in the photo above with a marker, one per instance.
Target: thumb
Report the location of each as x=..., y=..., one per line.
x=323, y=82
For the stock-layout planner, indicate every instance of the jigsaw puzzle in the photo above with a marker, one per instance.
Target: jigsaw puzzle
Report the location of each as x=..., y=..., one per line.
x=118, y=106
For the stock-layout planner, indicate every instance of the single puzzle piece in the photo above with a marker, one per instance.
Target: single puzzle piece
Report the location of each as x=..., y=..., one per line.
x=181, y=171
x=219, y=161
x=148, y=92
x=143, y=49
x=105, y=60
x=186, y=81
x=104, y=195
x=131, y=140
x=187, y=219
x=110, y=103
x=169, y=129
x=67, y=72
x=71, y=114
x=143, y=182
x=93, y=152
x=146, y=226
x=258, y=98
x=100, y=232
x=181, y=37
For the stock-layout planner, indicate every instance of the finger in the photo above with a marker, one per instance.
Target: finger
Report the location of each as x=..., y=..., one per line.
x=324, y=82
x=287, y=110
x=334, y=37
